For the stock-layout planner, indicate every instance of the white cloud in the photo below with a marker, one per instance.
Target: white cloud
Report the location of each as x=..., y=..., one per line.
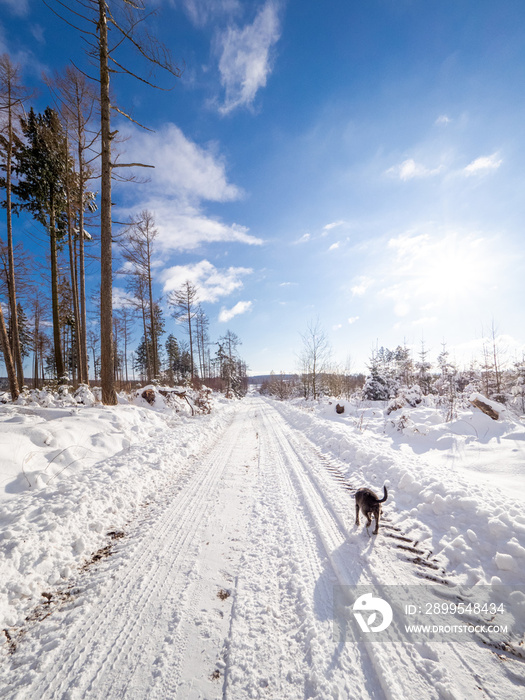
x=304, y=238
x=483, y=164
x=17, y=7
x=409, y=169
x=212, y=283
x=121, y=298
x=353, y=319
x=335, y=246
x=240, y=308
x=362, y=284
x=183, y=227
x=185, y=175
x=443, y=120
x=245, y=63
x=203, y=11
x=182, y=168
x=329, y=227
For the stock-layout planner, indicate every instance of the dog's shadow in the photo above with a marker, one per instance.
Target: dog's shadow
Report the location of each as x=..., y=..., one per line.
x=344, y=567
x=343, y=570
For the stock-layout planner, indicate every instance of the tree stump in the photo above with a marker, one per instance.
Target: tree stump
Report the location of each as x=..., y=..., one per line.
x=149, y=395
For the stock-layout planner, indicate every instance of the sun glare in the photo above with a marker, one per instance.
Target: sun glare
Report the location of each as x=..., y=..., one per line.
x=440, y=270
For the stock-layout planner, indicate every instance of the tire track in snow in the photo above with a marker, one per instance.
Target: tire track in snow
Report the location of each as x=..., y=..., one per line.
x=194, y=669
x=396, y=670
x=448, y=673
x=282, y=645
x=109, y=653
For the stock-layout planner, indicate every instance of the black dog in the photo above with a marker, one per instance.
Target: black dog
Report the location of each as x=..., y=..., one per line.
x=370, y=504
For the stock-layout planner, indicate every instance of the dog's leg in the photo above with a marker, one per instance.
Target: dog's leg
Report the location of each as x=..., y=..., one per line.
x=356, y=514
x=377, y=523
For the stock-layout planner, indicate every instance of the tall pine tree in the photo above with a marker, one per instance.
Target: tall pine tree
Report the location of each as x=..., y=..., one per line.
x=43, y=167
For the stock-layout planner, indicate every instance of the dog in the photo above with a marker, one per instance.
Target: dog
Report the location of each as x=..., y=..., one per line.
x=370, y=504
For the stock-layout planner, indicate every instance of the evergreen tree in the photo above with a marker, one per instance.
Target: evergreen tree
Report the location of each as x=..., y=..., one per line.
x=232, y=370
x=173, y=358
x=518, y=389
x=404, y=366
x=423, y=367
x=146, y=348
x=376, y=387
x=446, y=382
x=43, y=166
x=24, y=332
x=383, y=382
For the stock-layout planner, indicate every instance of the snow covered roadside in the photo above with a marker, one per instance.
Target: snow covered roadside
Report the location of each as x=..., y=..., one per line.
x=476, y=529
x=71, y=474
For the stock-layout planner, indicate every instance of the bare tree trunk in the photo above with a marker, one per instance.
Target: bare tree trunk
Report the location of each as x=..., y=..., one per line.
x=15, y=336
x=59, y=360
x=83, y=359
x=73, y=274
x=191, y=341
x=146, y=345
x=36, y=340
x=9, y=365
x=154, y=349
x=109, y=396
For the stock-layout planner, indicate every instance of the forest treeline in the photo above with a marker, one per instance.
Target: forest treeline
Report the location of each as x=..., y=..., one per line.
x=399, y=377
x=57, y=166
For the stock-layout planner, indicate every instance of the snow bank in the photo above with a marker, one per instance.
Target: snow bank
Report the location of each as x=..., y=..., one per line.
x=435, y=493
x=70, y=473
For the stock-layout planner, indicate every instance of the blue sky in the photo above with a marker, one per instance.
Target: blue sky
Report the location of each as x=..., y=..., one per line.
x=360, y=163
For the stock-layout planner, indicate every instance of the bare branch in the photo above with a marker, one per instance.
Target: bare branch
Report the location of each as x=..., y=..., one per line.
x=159, y=57
x=130, y=118
x=138, y=77
x=70, y=24
x=131, y=165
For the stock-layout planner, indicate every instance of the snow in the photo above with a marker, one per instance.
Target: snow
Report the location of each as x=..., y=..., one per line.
x=459, y=485
x=70, y=474
x=149, y=553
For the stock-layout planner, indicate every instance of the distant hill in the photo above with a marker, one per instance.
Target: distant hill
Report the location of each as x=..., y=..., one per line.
x=260, y=378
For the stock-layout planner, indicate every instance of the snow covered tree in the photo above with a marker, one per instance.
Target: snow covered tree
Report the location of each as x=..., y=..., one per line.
x=377, y=386
x=518, y=387
x=422, y=371
x=403, y=366
x=491, y=370
x=446, y=382
x=385, y=370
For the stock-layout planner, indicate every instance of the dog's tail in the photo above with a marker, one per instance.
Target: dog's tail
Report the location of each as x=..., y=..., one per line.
x=385, y=495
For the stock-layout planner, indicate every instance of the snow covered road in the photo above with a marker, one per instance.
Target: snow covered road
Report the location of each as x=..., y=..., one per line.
x=224, y=588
